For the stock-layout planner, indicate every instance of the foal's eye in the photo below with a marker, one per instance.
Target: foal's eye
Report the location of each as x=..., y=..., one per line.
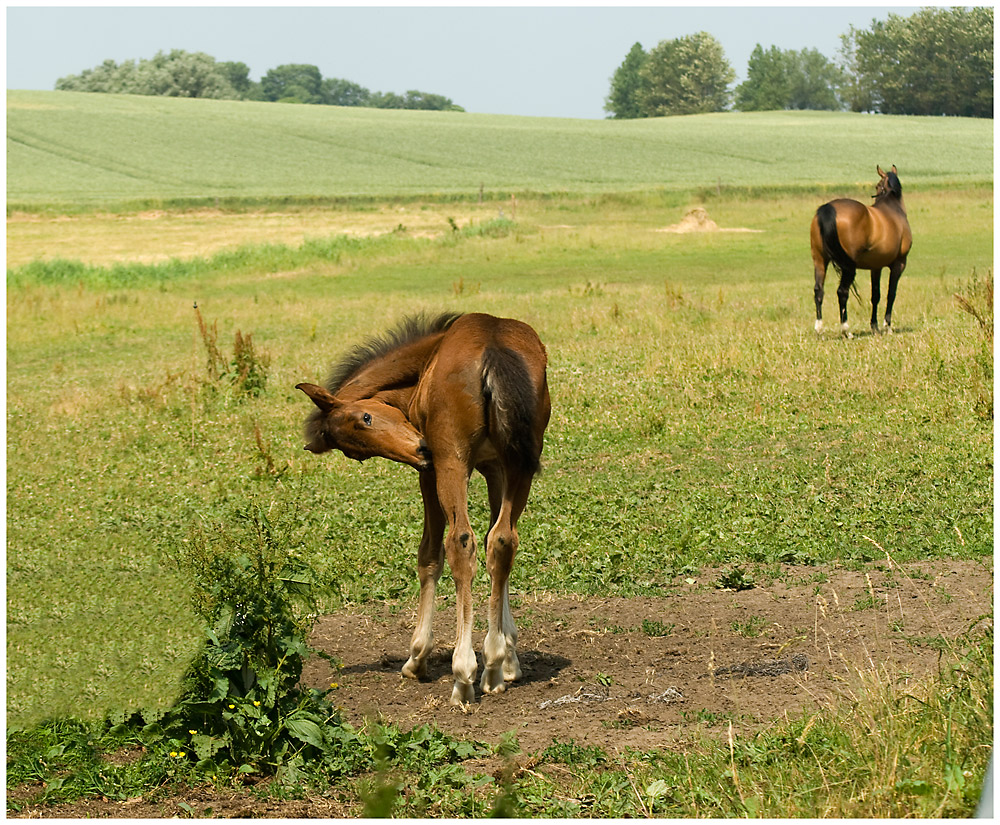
x=367, y=418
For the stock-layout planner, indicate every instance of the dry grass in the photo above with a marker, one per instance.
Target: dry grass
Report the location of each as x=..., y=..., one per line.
x=153, y=236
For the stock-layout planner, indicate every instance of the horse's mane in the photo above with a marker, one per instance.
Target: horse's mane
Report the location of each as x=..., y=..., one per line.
x=405, y=332
x=894, y=188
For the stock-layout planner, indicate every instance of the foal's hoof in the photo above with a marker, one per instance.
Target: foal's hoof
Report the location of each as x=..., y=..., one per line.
x=414, y=670
x=493, y=681
x=462, y=694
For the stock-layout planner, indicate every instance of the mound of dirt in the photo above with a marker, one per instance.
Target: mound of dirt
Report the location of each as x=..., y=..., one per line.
x=697, y=220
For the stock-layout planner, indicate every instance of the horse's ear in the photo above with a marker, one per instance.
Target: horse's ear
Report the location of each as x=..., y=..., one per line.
x=878, y=169
x=894, y=169
x=320, y=396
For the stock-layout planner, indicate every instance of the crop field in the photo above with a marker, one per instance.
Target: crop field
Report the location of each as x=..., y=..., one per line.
x=724, y=492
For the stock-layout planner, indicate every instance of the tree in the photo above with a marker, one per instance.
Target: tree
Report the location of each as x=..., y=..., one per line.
x=174, y=74
x=768, y=83
x=414, y=99
x=816, y=81
x=293, y=81
x=623, y=100
x=689, y=75
x=938, y=61
x=184, y=74
x=238, y=75
x=779, y=79
x=337, y=92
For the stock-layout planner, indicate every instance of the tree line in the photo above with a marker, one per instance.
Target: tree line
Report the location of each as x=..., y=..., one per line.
x=195, y=74
x=938, y=61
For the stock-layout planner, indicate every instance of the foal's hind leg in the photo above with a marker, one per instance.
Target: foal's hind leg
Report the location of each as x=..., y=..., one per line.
x=500, y=660
x=430, y=560
x=843, y=292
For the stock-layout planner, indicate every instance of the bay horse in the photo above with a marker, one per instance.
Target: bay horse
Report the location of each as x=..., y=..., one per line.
x=853, y=236
x=449, y=395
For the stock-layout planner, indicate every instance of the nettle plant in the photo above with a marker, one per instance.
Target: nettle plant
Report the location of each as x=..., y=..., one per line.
x=242, y=708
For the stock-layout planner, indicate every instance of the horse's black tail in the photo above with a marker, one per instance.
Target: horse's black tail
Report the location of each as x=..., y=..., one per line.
x=826, y=217
x=511, y=406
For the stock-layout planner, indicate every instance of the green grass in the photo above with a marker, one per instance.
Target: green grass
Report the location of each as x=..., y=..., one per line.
x=683, y=368
x=697, y=420
x=71, y=150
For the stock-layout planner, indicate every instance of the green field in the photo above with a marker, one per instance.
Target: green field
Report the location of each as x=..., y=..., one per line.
x=697, y=420
x=75, y=149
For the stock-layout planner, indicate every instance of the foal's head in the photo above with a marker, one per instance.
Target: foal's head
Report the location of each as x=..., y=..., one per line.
x=362, y=429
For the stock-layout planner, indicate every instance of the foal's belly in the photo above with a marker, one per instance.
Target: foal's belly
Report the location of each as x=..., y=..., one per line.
x=484, y=451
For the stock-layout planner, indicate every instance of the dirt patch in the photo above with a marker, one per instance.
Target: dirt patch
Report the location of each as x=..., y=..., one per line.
x=596, y=672
x=629, y=673
x=697, y=220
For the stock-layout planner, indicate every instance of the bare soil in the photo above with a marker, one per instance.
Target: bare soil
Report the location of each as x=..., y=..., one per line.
x=629, y=673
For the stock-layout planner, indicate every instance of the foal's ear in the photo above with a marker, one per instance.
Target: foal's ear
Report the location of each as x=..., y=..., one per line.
x=878, y=169
x=894, y=169
x=320, y=396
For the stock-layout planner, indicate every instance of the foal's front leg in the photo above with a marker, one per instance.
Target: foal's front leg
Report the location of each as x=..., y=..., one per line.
x=430, y=560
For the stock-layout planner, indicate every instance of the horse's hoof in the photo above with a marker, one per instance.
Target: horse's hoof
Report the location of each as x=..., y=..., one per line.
x=511, y=671
x=414, y=670
x=493, y=682
x=462, y=694
x=818, y=327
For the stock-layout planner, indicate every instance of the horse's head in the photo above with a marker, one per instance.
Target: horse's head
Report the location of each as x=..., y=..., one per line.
x=362, y=429
x=888, y=184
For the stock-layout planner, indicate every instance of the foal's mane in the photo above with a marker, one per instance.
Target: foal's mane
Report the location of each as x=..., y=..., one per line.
x=405, y=332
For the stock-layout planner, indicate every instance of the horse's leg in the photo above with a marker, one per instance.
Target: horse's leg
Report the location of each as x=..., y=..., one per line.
x=876, y=295
x=895, y=271
x=843, y=292
x=819, y=271
x=430, y=560
x=460, y=550
x=500, y=662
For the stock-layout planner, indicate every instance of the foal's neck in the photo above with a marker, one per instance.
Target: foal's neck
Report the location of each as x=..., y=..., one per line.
x=393, y=376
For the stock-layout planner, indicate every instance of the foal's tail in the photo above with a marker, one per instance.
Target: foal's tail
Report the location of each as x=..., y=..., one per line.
x=826, y=217
x=511, y=408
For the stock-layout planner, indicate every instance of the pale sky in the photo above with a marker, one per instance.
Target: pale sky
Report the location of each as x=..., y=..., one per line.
x=554, y=61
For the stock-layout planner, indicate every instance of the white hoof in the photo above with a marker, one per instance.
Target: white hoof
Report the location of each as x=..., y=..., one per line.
x=492, y=681
x=845, y=329
x=819, y=326
x=462, y=694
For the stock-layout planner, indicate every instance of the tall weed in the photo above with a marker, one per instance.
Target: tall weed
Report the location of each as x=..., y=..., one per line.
x=976, y=300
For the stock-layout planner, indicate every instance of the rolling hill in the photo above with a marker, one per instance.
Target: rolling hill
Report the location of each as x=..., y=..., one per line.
x=79, y=149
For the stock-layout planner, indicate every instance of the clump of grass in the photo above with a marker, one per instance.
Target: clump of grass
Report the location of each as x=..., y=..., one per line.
x=245, y=372
x=977, y=301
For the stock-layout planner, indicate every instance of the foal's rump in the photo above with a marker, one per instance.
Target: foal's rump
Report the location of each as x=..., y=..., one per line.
x=511, y=401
